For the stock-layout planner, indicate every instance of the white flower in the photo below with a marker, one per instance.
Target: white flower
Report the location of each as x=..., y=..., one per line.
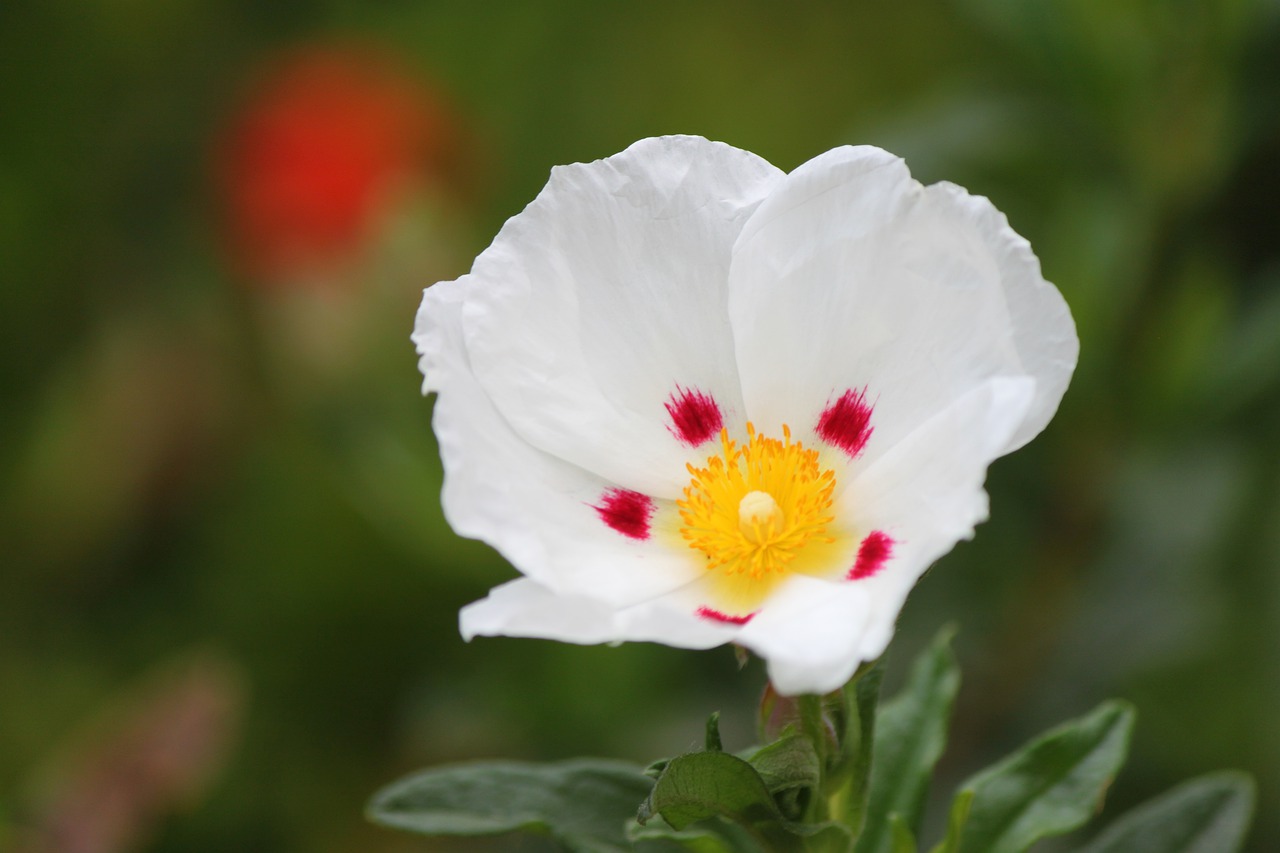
x=696, y=400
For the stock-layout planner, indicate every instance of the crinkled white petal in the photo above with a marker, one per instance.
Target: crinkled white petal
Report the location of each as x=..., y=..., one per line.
x=524, y=608
x=927, y=492
x=1042, y=329
x=535, y=509
x=607, y=292
x=852, y=275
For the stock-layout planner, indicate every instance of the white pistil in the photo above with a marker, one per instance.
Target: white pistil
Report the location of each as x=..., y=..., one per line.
x=758, y=513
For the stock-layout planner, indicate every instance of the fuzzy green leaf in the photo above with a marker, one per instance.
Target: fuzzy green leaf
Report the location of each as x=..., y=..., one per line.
x=704, y=786
x=911, y=732
x=825, y=837
x=584, y=803
x=710, y=837
x=1050, y=786
x=1209, y=814
x=700, y=785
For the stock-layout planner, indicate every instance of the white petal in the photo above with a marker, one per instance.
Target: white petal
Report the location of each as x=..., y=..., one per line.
x=915, y=294
x=535, y=509
x=812, y=633
x=608, y=291
x=1044, y=334
x=927, y=492
x=523, y=608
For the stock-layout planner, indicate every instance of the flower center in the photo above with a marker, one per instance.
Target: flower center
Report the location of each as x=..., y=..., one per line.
x=753, y=509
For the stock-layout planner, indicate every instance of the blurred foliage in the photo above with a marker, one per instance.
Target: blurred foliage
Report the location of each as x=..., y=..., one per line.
x=190, y=457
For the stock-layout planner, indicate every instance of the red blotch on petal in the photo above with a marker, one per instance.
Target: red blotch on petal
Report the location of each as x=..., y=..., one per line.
x=695, y=416
x=717, y=616
x=872, y=554
x=626, y=511
x=846, y=423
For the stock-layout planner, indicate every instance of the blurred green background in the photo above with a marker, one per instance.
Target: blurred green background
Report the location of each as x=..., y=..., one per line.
x=228, y=597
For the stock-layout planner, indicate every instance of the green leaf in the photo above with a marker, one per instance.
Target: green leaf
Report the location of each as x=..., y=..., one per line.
x=583, y=803
x=1051, y=786
x=956, y=819
x=700, y=785
x=902, y=840
x=1209, y=814
x=911, y=732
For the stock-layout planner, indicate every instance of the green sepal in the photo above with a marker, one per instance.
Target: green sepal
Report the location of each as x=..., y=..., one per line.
x=1051, y=786
x=812, y=722
x=848, y=779
x=584, y=804
x=713, y=743
x=1208, y=814
x=911, y=733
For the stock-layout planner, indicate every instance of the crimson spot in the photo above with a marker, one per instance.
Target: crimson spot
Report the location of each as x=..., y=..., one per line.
x=717, y=616
x=872, y=554
x=846, y=423
x=695, y=416
x=626, y=511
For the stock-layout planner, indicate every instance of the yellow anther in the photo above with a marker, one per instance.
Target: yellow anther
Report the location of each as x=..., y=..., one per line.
x=752, y=509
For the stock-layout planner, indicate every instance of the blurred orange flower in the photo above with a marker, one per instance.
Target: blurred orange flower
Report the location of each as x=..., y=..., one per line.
x=326, y=144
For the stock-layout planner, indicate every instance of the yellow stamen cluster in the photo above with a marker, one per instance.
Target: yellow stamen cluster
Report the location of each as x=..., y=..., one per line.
x=754, y=507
